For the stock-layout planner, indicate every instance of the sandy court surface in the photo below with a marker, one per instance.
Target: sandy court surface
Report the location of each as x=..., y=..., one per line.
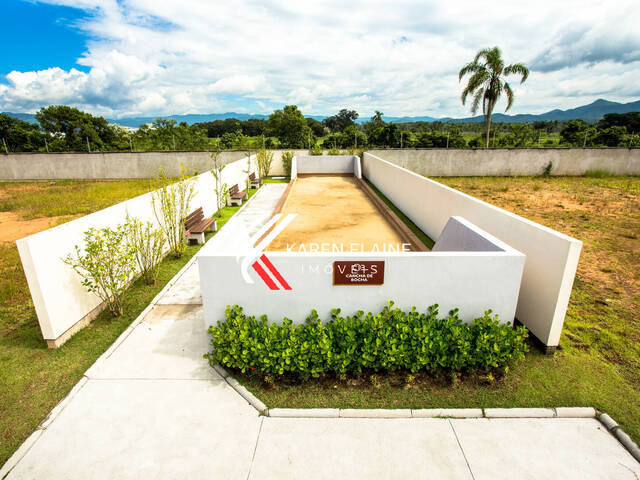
x=334, y=212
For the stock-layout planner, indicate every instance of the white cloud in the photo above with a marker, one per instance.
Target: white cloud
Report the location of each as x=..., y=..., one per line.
x=162, y=56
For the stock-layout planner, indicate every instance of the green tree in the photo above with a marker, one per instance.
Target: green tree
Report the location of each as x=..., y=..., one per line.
x=631, y=121
x=289, y=126
x=577, y=133
x=317, y=128
x=20, y=136
x=343, y=119
x=487, y=83
x=521, y=135
x=611, y=137
x=71, y=128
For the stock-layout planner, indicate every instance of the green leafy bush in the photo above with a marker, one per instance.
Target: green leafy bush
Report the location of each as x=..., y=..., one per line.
x=264, y=159
x=170, y=204
x=315, y=149
x=106, y=264
x=148, y=244
x=287, y=158
x=388, y=341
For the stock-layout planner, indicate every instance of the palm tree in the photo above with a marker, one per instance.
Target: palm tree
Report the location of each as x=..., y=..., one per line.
x=487, y=83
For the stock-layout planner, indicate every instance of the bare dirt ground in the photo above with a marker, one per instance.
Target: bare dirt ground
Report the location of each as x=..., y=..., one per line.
x=13, y=227
x=334, y=211
x=604, y=311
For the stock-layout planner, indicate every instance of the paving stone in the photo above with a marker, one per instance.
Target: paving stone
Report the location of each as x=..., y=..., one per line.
x=518, y=412
x=357, y=448
x=535, y=448
x=575, y=412
x=629, y=444
x=607, y=421
x=136, y=429
x=169, y=343
x=375, y=413
x=447, y=413
x=304, y=412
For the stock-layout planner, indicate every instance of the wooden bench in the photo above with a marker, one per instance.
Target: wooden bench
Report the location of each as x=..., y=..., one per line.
x=236, y=196
x=195, y=225
x=255, y=182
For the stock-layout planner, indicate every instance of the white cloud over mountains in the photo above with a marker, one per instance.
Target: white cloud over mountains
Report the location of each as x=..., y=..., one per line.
x=402, y=57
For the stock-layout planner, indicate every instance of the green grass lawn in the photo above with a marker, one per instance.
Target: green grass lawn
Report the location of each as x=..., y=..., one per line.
x=33, y=378
x=598, y=363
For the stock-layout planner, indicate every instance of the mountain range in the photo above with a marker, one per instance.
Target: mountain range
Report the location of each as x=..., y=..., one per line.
x=590, y=113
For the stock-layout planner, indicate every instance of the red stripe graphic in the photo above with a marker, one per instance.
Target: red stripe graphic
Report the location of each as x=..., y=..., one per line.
x=275, y=272
x=265, y=277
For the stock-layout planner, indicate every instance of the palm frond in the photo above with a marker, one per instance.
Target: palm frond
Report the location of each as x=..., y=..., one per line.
x=482, y=54
x=517, y=69
x=476, y=101
x=469, y=68
x=509, y=93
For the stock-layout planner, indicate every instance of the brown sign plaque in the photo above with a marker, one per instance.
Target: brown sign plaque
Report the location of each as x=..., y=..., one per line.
x=358, y=272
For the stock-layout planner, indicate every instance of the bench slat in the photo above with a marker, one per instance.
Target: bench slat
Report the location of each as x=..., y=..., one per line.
x=202, y=226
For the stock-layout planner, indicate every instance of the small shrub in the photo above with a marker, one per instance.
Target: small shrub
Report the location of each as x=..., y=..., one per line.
x=171, y=204
x=547, y=170
x=264, y=159
x=221, y=189
x=334, y=151
x=148, y=244
x=106, y=264
x=389, y=341
x=287, y=158
x=315, y=150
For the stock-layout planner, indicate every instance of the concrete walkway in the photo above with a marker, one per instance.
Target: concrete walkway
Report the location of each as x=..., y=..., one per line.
x=261, y=206
x=151, y=407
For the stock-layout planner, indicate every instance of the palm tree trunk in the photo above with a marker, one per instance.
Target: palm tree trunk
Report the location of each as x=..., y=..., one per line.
x=486, y=145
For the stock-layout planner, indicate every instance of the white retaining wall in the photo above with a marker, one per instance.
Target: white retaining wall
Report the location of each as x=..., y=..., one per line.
x=59, y=298
x=324, y=164
x=552, y=257
x=473, y=281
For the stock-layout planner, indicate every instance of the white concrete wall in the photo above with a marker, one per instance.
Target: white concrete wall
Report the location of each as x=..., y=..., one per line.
x=432, y=162
x=59, y=298
x=357, y=167
x=324, y=164
x=436, y=162
x=552, y=257
x=472, y=281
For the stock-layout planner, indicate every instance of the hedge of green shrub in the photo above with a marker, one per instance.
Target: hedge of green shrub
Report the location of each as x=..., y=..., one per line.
x=388, y=341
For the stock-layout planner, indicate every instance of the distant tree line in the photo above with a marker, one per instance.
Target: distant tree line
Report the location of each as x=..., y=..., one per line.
x=66, y=129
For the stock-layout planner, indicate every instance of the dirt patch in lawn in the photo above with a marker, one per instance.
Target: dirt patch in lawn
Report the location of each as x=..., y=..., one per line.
x=13, y=227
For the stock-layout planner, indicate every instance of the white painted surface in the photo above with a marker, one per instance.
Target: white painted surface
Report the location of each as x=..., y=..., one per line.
x=324, y=164
x=59, y=298
x=552, y=257
x=471, y=281
x=357, y=167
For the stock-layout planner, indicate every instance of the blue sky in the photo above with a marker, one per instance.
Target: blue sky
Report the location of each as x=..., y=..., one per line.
x=157, y=57
x=41, y=36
